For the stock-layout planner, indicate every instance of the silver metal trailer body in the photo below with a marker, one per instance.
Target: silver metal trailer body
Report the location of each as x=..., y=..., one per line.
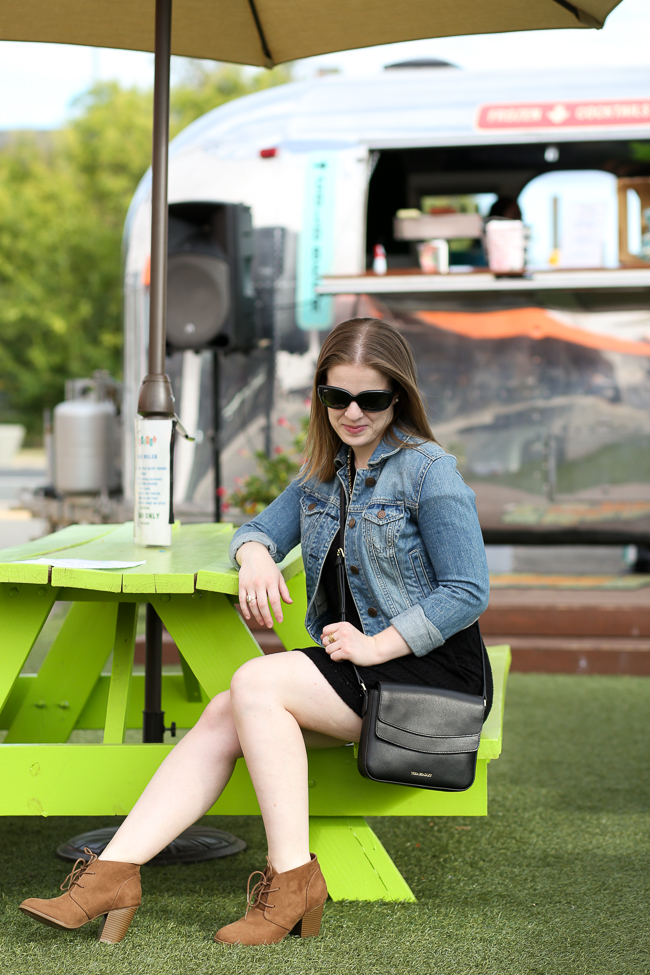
x=545, y=402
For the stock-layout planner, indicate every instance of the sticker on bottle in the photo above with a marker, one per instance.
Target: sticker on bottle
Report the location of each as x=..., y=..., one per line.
x=153, y=513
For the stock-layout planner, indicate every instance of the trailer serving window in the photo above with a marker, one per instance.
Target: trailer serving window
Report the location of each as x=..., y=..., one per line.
x=475, y=177
x=539, y=384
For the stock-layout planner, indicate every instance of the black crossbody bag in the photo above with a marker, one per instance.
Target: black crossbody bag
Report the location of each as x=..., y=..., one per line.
x=415, y=735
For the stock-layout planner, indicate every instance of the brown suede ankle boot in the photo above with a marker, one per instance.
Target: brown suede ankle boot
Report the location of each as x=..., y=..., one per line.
x=280, y=904
x=98, y=887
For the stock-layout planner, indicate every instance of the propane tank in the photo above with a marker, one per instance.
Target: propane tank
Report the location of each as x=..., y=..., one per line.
x=84, y=446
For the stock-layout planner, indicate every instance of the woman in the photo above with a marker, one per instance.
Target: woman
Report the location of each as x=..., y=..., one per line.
x=416, y=584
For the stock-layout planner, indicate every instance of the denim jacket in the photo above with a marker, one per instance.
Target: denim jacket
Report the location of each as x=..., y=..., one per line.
x=413, y=546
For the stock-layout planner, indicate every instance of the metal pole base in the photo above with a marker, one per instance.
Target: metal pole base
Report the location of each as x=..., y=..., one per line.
x=153, y=726
x=194, y=845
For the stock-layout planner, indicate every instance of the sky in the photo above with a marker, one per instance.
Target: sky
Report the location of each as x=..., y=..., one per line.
x=39, y=82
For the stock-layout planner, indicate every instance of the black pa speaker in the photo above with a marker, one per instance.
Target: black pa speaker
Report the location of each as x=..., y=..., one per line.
x=210, y=295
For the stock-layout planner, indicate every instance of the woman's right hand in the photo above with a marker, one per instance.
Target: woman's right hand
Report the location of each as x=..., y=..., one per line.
x=260, y=577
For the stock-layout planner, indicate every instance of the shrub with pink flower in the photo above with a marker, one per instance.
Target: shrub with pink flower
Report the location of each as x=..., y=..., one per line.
x=255, y=492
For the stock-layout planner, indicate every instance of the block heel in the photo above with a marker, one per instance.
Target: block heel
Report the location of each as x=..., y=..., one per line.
x=309, y=925
x=115, y=924
x=108, y=889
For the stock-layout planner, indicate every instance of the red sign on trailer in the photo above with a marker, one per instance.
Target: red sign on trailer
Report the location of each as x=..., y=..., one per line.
x=559, y=115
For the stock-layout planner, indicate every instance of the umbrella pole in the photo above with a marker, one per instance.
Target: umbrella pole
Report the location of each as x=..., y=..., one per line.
x=153, y=717
x=153, y=515
x=156, y=397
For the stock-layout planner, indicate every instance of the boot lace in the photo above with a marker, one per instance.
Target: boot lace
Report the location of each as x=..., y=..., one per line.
x=260, y=890
x=80, y=867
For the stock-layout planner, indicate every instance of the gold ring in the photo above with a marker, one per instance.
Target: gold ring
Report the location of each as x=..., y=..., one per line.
x=331, y=638
x=250, y=599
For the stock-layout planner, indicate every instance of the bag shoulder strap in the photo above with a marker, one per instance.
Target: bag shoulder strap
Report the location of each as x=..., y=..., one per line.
x=340, y=558
x=340, y=573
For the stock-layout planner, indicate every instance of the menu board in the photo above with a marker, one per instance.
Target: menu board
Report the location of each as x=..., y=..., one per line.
x=583, y=235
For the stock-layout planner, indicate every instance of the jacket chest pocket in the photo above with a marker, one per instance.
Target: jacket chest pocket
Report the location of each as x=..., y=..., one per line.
x=312, y=512
x=382, y=524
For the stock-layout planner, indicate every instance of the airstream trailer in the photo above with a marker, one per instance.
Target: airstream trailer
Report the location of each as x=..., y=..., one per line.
x=538, y=379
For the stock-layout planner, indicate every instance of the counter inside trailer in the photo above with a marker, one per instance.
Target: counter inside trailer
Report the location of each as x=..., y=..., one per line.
x=413, y=280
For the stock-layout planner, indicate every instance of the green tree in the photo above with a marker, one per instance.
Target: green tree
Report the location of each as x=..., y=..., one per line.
x=203, y=89
x=108, y=146
x=59, y=293
x=63, y=201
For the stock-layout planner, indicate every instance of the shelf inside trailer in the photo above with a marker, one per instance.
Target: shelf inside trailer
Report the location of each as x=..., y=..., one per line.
x=412, y=280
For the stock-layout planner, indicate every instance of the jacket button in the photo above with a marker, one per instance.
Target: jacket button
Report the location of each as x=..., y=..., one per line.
x=381, y=514
x=352, y=522
x=354, y=569
x=310, y=507
x=370, y=482
x=372, y=611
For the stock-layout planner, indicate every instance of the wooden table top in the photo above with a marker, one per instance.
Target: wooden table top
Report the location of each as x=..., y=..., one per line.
x=197, y=559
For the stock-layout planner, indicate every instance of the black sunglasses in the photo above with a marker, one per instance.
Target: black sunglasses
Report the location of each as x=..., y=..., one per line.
x=370, y=400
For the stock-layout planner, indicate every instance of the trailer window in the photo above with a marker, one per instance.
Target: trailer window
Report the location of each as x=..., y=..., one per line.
x=404, y=178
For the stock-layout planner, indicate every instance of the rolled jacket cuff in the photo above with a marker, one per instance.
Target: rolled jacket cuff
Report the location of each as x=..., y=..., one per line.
x=418, y=631
x=251, y=536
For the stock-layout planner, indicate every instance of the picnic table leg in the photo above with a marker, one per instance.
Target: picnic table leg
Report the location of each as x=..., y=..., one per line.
x=210, y=635
x=23, y=611
x=192, y=687
x=292, y=630
x=355, y=864
x=67, y=676
x=120, y=686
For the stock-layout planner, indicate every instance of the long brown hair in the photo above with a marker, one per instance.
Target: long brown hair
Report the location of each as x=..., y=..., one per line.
x=364, y=342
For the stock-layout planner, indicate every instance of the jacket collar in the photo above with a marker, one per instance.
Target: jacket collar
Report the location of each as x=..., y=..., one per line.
x=381, y=452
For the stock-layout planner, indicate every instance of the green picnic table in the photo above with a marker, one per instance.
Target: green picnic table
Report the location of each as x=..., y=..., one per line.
x=193, y=588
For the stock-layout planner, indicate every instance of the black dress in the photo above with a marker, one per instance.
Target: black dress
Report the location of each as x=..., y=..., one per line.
x=455, y=666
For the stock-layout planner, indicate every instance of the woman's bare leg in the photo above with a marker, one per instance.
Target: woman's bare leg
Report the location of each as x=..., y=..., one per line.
x=186, y=785
x=272, y=699
x=197, y=770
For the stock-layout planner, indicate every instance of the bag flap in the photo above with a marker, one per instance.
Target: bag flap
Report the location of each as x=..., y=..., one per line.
x=430, y=711
x=456, y=745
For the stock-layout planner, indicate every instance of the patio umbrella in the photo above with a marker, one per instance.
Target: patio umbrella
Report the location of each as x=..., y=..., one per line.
x=267, y=32
x=257, y=32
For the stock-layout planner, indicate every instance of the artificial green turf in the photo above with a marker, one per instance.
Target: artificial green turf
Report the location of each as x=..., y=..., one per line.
x=554, y=882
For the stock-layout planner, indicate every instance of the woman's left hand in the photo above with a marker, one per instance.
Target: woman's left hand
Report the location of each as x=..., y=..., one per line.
x=344, y=642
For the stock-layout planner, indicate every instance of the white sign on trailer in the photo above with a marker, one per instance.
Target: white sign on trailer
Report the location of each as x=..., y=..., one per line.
x=316, y=242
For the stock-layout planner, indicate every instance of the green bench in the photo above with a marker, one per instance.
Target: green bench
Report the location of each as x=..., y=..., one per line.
x=192, y=587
